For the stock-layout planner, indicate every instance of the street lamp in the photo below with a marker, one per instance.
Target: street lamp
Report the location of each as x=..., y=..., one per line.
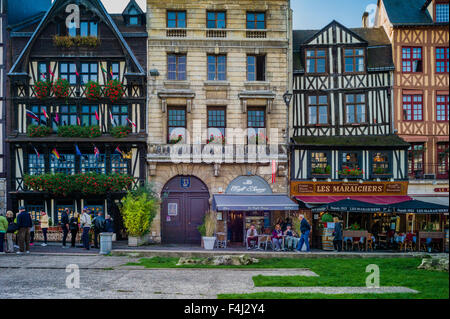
x=287, y=97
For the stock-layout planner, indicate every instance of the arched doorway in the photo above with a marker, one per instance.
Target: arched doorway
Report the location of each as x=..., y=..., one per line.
x=185, y=199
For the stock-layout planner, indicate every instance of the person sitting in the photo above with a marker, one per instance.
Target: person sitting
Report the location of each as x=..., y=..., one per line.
x=252, y=236
x=291, y=238
x=277, y=238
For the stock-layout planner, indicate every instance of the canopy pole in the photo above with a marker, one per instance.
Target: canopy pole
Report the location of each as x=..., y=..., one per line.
x=347, y=219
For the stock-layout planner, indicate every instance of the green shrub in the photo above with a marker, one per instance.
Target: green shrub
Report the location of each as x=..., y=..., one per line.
x=120, y=131
x=327, y=218
x=208, y=226
x=78, y=41
x=38, y=130
x=79, y=131
x=138, y=211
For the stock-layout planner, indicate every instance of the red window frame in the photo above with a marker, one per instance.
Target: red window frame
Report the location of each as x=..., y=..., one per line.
x=444, y=60
x=442, y=108
x=409, y=58
x=411, y=159
x=412, y=107
x=442, y=160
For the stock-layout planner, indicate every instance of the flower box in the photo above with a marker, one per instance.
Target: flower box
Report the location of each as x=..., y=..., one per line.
x=382, y=176
x=320, y=176
x=343, y=176
x=114, y=90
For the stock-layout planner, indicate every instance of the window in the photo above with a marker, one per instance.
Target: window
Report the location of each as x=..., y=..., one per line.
x=256, y=68
x=442, y=160
x=216, y=20
x=256, y=20
x=114, y=71
x=318, y=109
x=176, y=124
x=319, y=164
x=43, y=75
x=353, y=60
x=65, y=164
x=89, y=72
x=68, y=71
x=119, y=165
x=176, y=19
x=411, y=60
x=380, y=164
x=36, y=165
x=412, y=108
x=38, y=110
x=316, y=61
x=93, y=164
x=442, y=60
x=442, y=12
x=442, y=108
x=88, y=117
x=68, y=115
x=350, y=160
x=256, y=124
x=134, y=20
x=415, y=159
x=355, y=108
x=217, y=67
x=216, y=125
x=176, y=67
x=88, y=28
x=120, y=114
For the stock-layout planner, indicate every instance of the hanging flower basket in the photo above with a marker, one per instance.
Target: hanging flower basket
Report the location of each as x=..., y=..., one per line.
x=120, y=131
x=114, y=90
x=42, y=89
x=93, y=91
x=61, y=88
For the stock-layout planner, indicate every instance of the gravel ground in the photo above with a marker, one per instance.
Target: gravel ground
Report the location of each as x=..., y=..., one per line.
x=35, y=277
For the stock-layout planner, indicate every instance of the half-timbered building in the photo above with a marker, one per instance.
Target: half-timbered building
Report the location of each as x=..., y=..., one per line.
x=418, y=31
x=98, y=126
x=341, y=123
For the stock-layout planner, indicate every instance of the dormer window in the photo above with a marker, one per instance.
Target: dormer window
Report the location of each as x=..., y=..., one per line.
x=134, y=20
x=442, y=12
x=133, y=15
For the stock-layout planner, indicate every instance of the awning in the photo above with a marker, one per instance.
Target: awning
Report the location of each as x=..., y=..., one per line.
x=419, y=207
x=441, y=200
x=350, y=205
x=253, y=203
x=379, y=200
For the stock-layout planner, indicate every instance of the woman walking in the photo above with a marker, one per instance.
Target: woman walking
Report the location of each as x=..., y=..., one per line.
x=44, y=226
x=12, y=227
x=73, y=227
x=3, y=229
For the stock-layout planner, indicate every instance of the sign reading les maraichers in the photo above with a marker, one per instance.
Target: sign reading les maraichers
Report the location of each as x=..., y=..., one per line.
x=349, y=188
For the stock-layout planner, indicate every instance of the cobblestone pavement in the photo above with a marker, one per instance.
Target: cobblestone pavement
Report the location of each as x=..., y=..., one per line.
x=35, y=277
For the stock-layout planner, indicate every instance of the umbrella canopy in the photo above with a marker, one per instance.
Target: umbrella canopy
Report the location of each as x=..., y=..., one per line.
x=351, y=205
x=418, y=207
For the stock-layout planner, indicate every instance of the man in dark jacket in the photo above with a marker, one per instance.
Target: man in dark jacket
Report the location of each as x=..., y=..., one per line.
x=337, y=241
x=65, y=226
x=24, y=223
x=305, y=229
x=99, y=227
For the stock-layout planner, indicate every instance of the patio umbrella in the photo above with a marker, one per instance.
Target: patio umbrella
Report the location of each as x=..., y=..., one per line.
x=418, y=207
x=351, y=205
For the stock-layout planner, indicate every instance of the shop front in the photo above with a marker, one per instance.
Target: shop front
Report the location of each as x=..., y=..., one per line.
x=250, y=200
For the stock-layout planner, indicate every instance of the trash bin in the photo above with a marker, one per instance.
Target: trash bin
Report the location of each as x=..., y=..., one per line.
x=105, y=243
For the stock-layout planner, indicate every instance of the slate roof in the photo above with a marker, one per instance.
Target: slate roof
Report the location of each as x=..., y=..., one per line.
x=408, y=13
x=379, y=51
x=370, y=141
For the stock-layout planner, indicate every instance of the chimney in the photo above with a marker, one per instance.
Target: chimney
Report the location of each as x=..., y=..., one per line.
x=365, y=20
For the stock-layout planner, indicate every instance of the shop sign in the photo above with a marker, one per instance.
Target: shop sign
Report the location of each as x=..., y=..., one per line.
x=349, y=188
x=249, y=185
x=172, y=209
x=441, y=190
x=185, y=182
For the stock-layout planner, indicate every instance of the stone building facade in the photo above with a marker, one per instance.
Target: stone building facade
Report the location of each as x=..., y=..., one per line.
x=214, y=66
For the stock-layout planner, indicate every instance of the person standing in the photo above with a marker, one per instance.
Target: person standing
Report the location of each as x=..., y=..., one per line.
x=24, y=223
x=12, y=228
x=3, y=230
x=99, y=227
x=32, y=229
x=86, y=226
x=337, y=233
x=43, y=220
x=73, y=226
x=65, y=226
x=109, y=224
x=305, y=229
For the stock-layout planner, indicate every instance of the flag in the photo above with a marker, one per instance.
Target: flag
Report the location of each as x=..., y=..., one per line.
x=96, y=116
x=132, y=123
x=117, y=150
x=36, y=151
x=55, y=152
x=78, y=150
x=56, y=119
x=44, y=76
x=50, y=71
x=45, y=113
x=33, y=116
x=96, y=152
x=112, y=119
x=78, y=121
x=103, y=69
x=76, y=71
x=111, y=72
x=274, y=170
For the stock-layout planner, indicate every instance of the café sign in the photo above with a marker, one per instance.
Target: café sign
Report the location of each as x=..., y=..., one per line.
x=349, y=188
x=248, y=185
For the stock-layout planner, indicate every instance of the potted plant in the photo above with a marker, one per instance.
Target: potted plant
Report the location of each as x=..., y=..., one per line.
x=138, y=210
x=42, y=89
x=327, y=233
x=114, y=90
x=320, y=172
x=381, y=172
x=350, y=173
x=207, y=230
x=175, y=139
x=61, y=88
x=93, y=91
x=120, y=131
x=38, y=130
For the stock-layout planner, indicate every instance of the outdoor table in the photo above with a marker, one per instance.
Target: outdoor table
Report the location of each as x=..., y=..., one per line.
x=356, y=233
x=433, y=235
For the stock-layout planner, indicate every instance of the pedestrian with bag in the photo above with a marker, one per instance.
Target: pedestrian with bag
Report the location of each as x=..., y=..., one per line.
x=65, y=226
x=86, y=226
x=12, y=228
x=43, y=220
x=24, y=222
x=3, y=230
x=337, y=233
x=305, y=229
x=99, y=227
x=73, y=227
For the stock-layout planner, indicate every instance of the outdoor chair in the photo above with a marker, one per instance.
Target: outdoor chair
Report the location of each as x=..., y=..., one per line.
x=255, y=243
x=266, y=241
x=369, y=242
x=356, y=242
x=221, y=241
x=346, y=242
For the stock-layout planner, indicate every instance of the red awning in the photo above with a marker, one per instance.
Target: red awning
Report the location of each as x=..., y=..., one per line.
x=380, y=200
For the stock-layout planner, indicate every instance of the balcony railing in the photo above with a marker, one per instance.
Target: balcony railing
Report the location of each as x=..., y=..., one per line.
x=176, y=33
x=256, y=34
x=216, y=33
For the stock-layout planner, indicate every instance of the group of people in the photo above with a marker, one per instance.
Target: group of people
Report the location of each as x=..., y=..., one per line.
x=283, y=236
x=20, y=229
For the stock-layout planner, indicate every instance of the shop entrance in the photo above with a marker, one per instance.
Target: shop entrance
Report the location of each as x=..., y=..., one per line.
x=185, y=202
x=236, y=227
